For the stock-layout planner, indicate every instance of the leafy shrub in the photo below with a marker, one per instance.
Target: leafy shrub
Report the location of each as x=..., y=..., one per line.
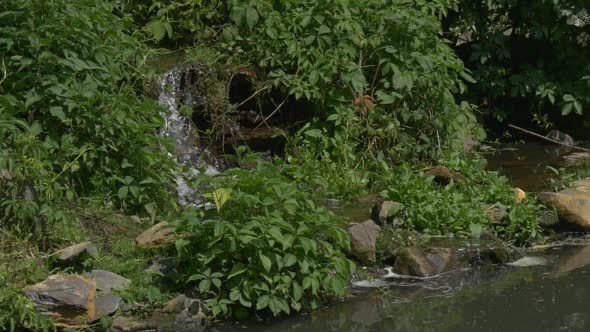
x=72, y=123
x=266, y=246
x=459, y=208
x=17, y=312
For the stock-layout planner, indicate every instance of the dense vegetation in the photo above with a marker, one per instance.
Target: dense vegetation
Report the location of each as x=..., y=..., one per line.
x=385, y=87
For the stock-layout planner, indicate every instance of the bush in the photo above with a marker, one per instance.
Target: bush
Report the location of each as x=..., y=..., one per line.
x=71, y=123
x=266, y=245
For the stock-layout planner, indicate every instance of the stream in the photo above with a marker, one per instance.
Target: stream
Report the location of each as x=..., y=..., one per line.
x=553, y=296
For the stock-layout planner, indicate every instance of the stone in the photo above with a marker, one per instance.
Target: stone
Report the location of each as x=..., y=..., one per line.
x=76, y=252
x=519, y=195
x=572, y=206
x=192, y=314
x=560, y=137
x=443, y=175
x=68, y=299
x=156, y=236
x=162, y=266
x=582, y=185
x=496, y=212
x=547, y=218
x=414, y=261
x=384, y=212
x=364, y=239
x=108, y=281
x=107, y=304
x=576, y=159
x=136, y=219
x=130, y=324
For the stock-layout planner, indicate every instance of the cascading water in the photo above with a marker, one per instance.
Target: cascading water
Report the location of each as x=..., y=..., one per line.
x=173, y=93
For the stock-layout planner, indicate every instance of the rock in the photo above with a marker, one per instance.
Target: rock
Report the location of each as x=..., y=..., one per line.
x=107, y=304
x=582, y=185
x=156, y=236
x=572, y=206
x=76, y=252
x=547, y=218
x=529, y=261
x=384, y=212
x=130, y=324
x=192, y=314
x=519, y=195
x=443, y=175
x=364, y=238
x=162, y=266
x=576, y=159
x=108, y=281
x=136, y=219
x=68, y=299
x=578, y=259
x=496, y=212
x=557, y=135
x=414, y=261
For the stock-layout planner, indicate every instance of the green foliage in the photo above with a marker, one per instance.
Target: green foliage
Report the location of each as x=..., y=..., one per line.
x=71, y=122
x=18, y=312
x=267, y=246
x=526, y=54
x=459, y=208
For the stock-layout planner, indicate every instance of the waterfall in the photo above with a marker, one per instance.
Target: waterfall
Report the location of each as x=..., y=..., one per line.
x=174, y=92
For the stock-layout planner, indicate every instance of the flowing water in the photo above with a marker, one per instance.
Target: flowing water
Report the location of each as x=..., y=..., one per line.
x=549, y=291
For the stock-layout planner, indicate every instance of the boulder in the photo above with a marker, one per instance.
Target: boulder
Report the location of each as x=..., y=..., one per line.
x=547, y=218
x=107, y=281
x=576, y=159
x=191, y=314
x=156, y=236
x=414, y=261
x=519, y=195
x=363, y=239
x=496, y=212
x=572, y=206
x=560, y=137
x=68, y=299
x=582, y=185
x=443, y=175
x=76, y=252
x=384, y=212
x=107, y=304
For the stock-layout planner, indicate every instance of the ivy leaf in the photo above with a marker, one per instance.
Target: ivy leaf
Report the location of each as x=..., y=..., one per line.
x=252, y=17
x=266, y=263
x=58, y=112
x=123, y=191
x=263, y=302
x=316, y=133
x=220, y=197
x=157, y=28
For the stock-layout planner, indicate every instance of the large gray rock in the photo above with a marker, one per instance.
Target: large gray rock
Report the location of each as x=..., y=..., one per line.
x=384, y=212
x=156, y=236
x=363, y=239
x=576, y=159
x=573, y=206
x=107, y=304
x=76, y=252
x=68, y=299
x=414, y=261
x=563, y=138
x=108, y=281
x=443, y=175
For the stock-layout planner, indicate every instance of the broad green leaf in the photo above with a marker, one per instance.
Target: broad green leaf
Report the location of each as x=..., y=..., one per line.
x=266, y=262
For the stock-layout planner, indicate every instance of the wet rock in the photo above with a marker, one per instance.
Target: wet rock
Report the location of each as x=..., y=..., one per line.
x=76, y=252
x=496, y=212
x=156, y=236
x=162, y=266
x=572, y=206
x=547, y=218
x=108, y=281
x=443, y=175
x=576, y=159
x=130, y=324
x=332, y=203
x=192, y=314
x=384, y=212
x=582, y=185
x=529, y=261
x=563, y=138
x=107, y=304
x=68, y=299
x=363, y=239
x=414, y=261
x=519, y=195
x=488, y=255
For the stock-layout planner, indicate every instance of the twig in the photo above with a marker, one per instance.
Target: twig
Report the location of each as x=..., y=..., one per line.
x=271, y=114
x=548, y=139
